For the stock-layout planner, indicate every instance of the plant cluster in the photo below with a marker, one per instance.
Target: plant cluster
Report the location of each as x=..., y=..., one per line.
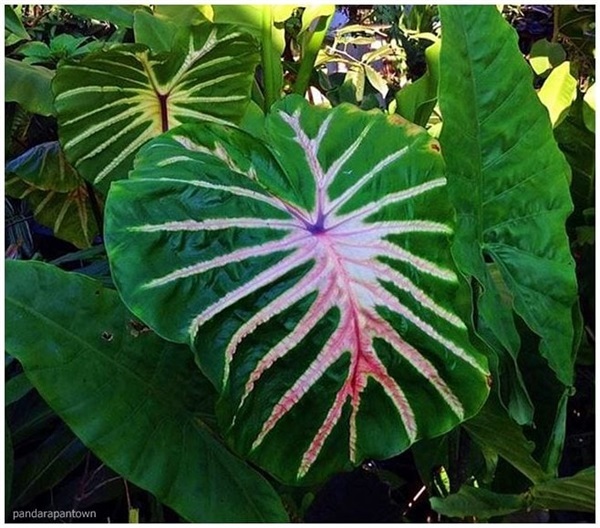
x=291, y=251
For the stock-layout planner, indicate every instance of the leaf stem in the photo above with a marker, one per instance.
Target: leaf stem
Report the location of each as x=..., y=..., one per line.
x=271, y=76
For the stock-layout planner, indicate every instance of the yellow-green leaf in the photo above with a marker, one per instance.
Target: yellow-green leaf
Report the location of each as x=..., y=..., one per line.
x=558, y=92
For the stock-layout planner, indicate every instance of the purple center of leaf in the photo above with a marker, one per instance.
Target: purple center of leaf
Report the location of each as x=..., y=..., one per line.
x=319, y=226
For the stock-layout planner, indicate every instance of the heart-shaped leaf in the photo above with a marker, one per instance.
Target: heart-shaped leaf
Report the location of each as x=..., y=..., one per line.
x=112, y=102
x=321, y=297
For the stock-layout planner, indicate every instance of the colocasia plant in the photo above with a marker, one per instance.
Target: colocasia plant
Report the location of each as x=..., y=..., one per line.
x=300, y=292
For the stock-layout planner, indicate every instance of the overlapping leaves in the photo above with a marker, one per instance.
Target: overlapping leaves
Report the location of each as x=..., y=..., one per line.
x=112, y=102
x=313, y=278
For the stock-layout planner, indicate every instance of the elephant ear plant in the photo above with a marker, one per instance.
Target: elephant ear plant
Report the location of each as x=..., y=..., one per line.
x=295, y=299
x=311, y=274
x=112, y=102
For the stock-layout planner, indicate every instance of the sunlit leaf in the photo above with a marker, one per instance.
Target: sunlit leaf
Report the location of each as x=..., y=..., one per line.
x=112, y=102
x=558, y=92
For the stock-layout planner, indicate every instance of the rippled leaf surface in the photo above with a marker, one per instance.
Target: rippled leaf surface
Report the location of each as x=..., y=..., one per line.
x=509, y=184
x=312, y=276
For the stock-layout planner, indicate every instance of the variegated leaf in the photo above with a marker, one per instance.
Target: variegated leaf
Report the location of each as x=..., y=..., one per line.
x=313, y=278
x=55, y=192
x=112, y=102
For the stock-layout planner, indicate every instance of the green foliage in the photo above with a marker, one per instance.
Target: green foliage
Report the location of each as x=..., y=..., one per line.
x=13, y=24
x=58, y=196
x=315, y=361
x=120, y=15
x=29, y=86
x=150, y=405
x=417, y=100
x=205, y=76
x=574, y=493
x=515, y=212
x=558, y=92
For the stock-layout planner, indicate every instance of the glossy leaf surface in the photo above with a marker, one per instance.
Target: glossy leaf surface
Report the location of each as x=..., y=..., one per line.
x=112, y=102
x=312, y=276
x=136, y=401
x=509, y=183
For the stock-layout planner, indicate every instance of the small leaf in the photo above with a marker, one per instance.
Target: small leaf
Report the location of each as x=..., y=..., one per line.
x=545, y=55
x=477, y=502
x=558, y=92
x=312, y=12
x=35, y=52
x=29, y=86
x=376, y=79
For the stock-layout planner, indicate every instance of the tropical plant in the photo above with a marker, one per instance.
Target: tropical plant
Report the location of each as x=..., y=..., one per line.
x=294, y=291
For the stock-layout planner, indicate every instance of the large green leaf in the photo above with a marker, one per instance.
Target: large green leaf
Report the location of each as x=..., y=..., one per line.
x=138, y=402
x=509, y=184
x=29, y=86
x=112, y=102
x=312, y=276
